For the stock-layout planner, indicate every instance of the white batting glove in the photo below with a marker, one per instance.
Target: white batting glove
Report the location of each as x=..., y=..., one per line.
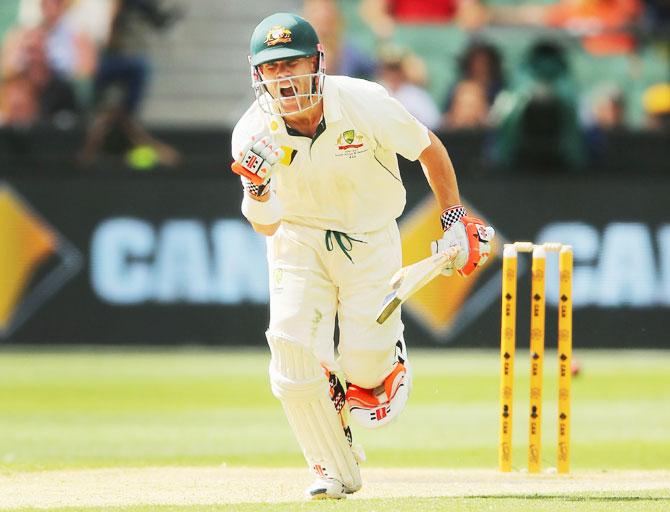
x=446, y=243
x=256, y=162
x=470, y=234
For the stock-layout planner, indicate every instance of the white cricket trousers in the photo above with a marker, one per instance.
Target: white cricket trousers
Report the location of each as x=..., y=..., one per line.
x=316, y=275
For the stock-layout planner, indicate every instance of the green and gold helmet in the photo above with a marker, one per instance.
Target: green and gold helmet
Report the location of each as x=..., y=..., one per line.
x=285, y=36
x=282, y=36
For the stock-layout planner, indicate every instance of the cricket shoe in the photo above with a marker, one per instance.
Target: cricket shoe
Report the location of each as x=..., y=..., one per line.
x=374, y=408
x=329, y=489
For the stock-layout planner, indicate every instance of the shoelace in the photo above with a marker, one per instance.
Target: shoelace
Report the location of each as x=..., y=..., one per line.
x=345, y=242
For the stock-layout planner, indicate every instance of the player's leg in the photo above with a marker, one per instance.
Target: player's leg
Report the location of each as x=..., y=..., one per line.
x=372, y=356
x=300, y=383
x=377, y=405
x=302, y=312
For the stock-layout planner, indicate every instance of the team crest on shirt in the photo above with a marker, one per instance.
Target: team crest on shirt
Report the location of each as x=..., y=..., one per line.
x=278, y=35
x=350, y=144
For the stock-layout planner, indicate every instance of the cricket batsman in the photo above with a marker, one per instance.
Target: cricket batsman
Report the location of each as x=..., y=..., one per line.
x=317, y=156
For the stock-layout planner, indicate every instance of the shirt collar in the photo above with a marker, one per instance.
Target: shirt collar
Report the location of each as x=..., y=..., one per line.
x=332, y=109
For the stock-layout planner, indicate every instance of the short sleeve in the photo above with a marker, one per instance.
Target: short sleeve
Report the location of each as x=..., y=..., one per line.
x=239, y=138
x=395, y=128
x=250, y=124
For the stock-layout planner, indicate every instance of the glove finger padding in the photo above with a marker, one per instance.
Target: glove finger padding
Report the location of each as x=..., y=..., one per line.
x=267, y=150
x=478, y=236
x=257, y=159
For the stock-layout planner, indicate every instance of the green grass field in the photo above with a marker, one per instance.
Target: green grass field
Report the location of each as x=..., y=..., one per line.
x=75, y=410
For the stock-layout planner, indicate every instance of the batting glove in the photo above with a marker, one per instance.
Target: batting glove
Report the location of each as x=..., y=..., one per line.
x=256, y=163
x=470, y=234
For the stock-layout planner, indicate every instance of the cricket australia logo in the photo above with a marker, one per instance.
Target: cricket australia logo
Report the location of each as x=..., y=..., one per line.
x=351, y=144
x=278, y=35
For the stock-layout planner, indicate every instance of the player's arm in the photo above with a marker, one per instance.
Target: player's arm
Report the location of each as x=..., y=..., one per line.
x=400, y=131
x=263, y=229
x=255, y=164
x=470, y=235
x=440, y=172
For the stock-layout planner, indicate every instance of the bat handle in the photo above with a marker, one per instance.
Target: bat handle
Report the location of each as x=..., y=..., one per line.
x=453, y=252
x=450, y=255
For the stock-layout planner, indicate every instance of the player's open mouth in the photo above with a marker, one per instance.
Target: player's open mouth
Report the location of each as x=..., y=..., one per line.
x=286, y=92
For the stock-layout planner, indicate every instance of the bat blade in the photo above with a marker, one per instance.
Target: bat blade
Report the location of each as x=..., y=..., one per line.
x=412, y=278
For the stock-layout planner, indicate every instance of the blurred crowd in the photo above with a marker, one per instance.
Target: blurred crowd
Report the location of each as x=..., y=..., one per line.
x=69, y=63
x=85, y=63
x=536, y=109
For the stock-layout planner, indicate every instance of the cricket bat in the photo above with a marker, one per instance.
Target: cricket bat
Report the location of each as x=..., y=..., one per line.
x=410, y=279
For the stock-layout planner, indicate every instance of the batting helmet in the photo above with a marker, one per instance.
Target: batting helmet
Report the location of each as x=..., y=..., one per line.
x=282, y=36
x=285, y=36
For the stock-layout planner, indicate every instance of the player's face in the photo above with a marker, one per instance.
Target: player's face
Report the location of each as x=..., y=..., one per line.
x=292, y=83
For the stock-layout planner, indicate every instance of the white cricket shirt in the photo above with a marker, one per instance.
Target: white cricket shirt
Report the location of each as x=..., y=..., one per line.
x=346, y=178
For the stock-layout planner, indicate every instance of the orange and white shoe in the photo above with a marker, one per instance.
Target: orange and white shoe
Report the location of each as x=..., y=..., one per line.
x=374, y=408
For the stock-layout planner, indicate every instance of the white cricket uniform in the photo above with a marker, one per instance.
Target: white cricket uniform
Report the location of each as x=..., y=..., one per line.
x=338, y=243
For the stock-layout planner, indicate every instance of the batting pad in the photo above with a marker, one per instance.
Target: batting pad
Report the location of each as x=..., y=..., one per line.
x=299, y=382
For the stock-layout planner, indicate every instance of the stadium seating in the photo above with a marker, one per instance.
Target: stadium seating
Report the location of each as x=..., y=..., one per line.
x=201, y=72
x=440, y=46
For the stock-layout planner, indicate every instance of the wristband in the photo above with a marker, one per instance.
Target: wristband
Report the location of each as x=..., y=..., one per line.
x=452, y=215
x=264, y=213
x=253, y=189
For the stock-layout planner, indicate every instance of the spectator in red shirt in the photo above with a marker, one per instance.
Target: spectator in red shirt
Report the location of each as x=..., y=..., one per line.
x=411, y=11
x=382, y=15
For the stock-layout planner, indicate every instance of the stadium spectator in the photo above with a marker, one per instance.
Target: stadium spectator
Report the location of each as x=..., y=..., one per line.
x=468, y=108
x=71, y=53
x=344, y=58
x=606, y=108
x=537, y=125
x=18, y=103
x=393, y=63
x=657, y=18
x=480, y=81
x=656, y=101
x=604, y=112
x=124, y=70
x=382, y=15
x=88, y=17
x=606, y=27
x=25, y=63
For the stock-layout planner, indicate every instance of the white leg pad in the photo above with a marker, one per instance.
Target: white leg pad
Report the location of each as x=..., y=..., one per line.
x=300, y=383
